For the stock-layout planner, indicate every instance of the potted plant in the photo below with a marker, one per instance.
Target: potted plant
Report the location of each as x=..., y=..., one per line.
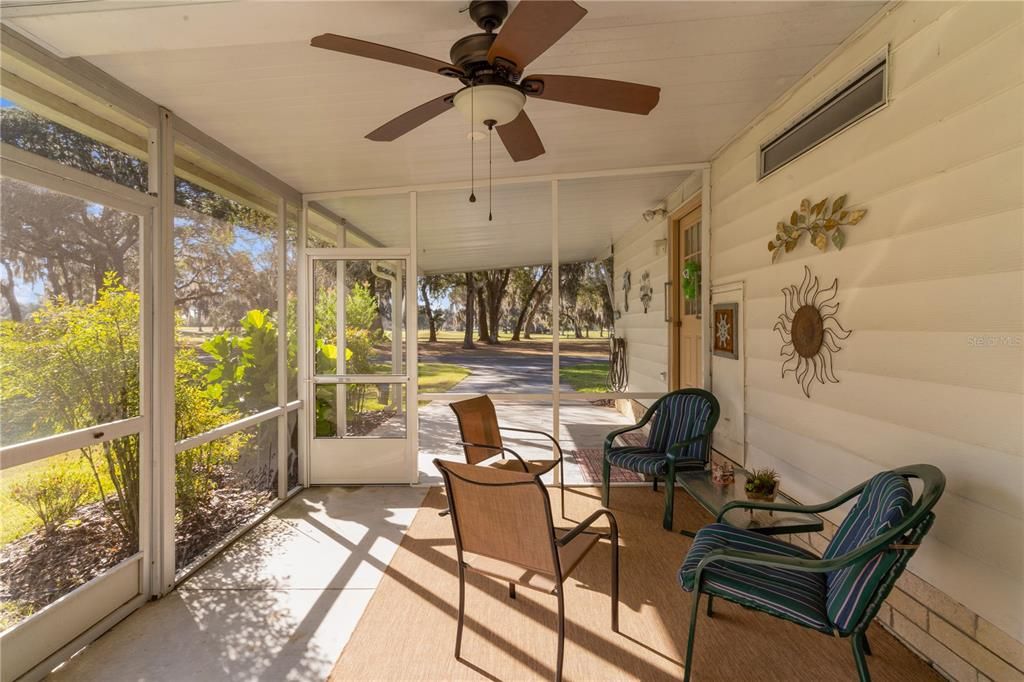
x=762, y=484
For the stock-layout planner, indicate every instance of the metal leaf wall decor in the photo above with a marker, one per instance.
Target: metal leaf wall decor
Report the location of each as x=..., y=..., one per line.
x=821, y=222
x=810, y=331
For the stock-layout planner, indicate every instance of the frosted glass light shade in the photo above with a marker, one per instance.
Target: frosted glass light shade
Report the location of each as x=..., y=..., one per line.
x=498, y=103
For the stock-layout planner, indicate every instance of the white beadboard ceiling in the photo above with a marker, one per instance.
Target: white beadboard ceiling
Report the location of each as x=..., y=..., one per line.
x=454, y=235
x=244, y=73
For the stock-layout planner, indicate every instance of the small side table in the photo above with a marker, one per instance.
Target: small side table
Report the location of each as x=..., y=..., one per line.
x=713, y=497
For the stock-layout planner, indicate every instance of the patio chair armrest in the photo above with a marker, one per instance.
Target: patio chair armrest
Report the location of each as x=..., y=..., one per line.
x=806, y=565
x=781, y=506
x=581, y=527
x=497, y=451
x=894, y=539
x=676, y=449
x=539, y=433
x=610, y=438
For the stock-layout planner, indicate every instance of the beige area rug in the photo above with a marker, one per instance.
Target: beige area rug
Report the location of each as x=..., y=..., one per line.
x=408, y=629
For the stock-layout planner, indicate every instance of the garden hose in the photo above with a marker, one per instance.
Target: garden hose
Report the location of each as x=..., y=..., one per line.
x=618, y=373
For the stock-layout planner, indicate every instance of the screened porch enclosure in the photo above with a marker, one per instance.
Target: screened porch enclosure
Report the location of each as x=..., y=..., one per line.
x=502, y=325
x=241, y=341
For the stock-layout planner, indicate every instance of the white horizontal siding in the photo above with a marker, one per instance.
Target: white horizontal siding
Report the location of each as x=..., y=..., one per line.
x=931, y=283
x=646, y=334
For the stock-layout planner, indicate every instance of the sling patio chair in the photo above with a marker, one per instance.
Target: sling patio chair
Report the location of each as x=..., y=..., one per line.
x=838, y=594
x=503, y=529
x=679, y=440
x=481, y=440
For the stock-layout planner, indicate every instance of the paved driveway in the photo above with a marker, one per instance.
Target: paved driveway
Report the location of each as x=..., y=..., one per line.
x=506, y=373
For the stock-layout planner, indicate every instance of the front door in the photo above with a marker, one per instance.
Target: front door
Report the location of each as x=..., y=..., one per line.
x=362, y=384
x=690, y=374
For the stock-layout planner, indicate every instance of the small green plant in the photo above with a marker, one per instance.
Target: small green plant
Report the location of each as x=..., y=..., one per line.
x=762, y=482
x=52, y=494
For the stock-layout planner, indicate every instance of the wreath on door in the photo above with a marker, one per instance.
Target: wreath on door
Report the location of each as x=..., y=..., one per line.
x=691, y=279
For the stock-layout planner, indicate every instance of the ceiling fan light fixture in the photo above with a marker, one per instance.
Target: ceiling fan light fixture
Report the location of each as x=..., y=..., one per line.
x=498, y=103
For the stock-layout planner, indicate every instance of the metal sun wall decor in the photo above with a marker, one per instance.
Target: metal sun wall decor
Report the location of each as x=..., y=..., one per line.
x=810, y=331
x=822, y=222
x=646, y=290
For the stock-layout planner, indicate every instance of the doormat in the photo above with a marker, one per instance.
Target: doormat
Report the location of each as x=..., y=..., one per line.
x=589, y=461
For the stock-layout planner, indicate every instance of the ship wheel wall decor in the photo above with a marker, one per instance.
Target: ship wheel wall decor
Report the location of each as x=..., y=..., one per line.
x=810, y=331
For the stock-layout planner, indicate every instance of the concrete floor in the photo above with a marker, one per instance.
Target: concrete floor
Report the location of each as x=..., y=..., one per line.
x=279, y=604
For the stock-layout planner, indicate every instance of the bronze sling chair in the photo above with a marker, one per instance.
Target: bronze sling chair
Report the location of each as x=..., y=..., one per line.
x=481, y=440
x=503, y=529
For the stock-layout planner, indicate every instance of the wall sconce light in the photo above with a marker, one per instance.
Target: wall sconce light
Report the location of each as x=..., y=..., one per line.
x=654, y=213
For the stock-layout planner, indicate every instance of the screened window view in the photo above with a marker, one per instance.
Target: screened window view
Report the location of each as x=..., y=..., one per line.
x=227, y=255
x=70, y=345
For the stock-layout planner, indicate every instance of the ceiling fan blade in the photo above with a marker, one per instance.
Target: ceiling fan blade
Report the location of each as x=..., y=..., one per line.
x=383, y=53
x=411, y=119
x=520, y=138
x=630, y=98
x=533, y=27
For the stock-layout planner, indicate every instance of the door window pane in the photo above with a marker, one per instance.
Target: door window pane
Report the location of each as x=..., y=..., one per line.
x=66, y=519
x=69, y=313
x=372, y=320
x=370, y=410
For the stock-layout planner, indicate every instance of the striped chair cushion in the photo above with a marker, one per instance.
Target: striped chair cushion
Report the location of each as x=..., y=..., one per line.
x=882, y=504
x=794, y=595
x=640, y=459
x=646, y=461
x=680, y=417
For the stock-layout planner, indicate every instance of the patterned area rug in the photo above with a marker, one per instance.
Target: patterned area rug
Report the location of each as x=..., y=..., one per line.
x=589, y=461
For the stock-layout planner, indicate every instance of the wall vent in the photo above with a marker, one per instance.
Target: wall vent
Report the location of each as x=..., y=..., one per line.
x=862, y=94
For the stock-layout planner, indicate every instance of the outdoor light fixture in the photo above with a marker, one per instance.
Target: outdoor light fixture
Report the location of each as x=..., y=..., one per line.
x=497, y=103
x=487, y=105
x=652, y=213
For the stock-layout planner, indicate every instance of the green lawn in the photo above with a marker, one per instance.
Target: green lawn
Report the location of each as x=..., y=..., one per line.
x=438, y=377
x=591, y=377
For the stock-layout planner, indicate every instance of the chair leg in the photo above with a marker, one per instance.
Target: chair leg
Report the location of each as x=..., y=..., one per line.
x=858, y=641
x=867, y=644
x=561, y=484
x=462, y=612
x=511, y=590
x=561, y=635
x=689, y=638
x=670, y=498
x=615, y=582
x=606, y=476
x=654, y=486
x=711, y=600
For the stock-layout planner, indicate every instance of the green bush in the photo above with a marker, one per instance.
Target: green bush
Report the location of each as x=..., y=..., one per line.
x=77, y=365
x=53, y=494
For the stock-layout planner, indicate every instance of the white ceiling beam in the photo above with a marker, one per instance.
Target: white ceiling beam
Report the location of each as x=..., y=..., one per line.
x=520, y=180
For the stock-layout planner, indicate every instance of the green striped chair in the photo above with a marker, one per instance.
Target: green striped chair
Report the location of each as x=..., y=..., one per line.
x=837, y=594
x=679, y=440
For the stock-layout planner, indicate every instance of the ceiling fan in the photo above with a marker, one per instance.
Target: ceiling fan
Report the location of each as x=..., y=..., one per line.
x=490, y=67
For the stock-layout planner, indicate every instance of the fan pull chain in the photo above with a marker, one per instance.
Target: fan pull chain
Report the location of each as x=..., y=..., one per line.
x=472, y=141
x=490, y=169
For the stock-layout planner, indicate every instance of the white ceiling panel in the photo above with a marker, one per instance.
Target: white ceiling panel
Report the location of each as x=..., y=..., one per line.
x=455, y=235
x=244, y=73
